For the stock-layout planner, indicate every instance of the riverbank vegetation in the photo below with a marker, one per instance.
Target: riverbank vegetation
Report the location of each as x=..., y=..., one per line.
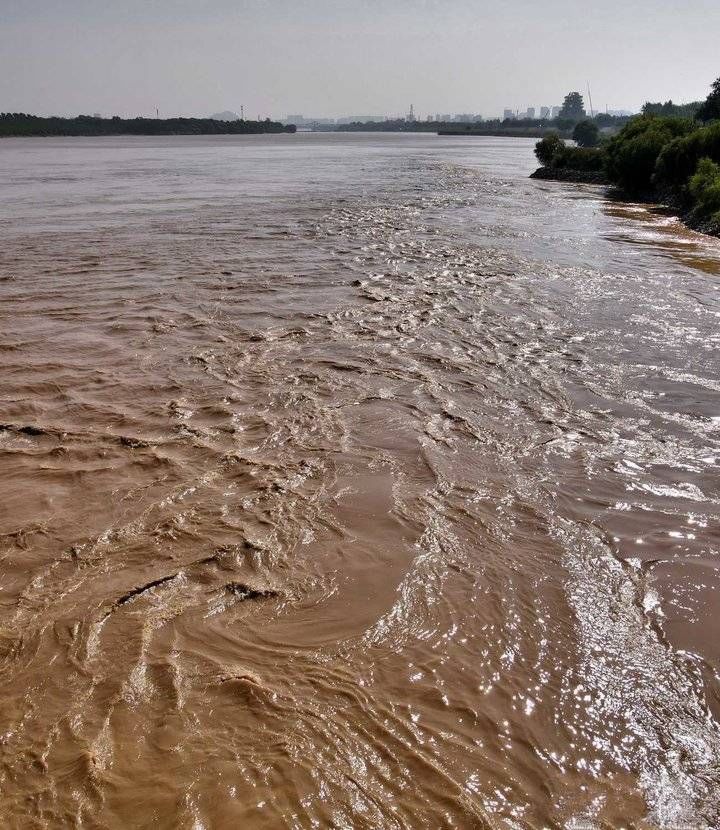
x=660, y=158
x=22, y=124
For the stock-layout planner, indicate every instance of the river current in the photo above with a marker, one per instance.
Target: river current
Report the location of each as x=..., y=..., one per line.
x=352, y=481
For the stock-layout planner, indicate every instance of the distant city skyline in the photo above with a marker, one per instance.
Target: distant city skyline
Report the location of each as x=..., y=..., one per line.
x=531, y=112
x=191, y=57
x=541, y=112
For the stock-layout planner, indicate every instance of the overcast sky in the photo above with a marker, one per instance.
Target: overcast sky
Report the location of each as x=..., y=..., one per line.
x=348, y=57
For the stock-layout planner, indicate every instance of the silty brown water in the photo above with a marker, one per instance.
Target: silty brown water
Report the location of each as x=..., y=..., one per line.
x=352, y=481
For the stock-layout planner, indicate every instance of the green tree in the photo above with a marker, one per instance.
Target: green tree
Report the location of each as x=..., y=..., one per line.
x=670, y=109
x=564, y=124
x=631, y=155
x=586, y=134
x=548, y=148
x=710, y=110
x=573, y=106
x=679, y=159
x=704, y=188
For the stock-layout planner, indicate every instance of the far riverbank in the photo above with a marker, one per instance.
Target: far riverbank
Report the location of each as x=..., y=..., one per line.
x=18, y=124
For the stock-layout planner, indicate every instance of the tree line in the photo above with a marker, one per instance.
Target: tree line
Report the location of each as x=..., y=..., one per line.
x=23, y=124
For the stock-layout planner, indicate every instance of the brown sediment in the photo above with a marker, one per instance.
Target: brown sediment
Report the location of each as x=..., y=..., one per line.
x=361, y=484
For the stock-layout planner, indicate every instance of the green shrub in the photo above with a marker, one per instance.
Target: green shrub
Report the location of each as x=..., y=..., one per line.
x=679, y=160
x=547, y=148
x=552, y=151
x=632, y=154
x=704, y=189
x=580, y=158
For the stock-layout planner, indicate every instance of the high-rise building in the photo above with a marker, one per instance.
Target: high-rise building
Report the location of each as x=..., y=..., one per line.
x=556, y=111
x=508, y=115
x=530, y=113
x=544, y=112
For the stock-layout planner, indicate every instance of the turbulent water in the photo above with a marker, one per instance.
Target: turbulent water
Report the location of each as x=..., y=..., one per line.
x=352, y=481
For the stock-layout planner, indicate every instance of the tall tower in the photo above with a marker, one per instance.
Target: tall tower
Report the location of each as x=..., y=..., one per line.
x=592, y=112
x=411, y=114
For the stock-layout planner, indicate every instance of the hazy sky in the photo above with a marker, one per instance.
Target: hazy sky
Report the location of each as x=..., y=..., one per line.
x=347, y=57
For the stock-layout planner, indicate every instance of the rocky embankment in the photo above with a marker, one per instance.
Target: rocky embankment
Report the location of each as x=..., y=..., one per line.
x=565, y=174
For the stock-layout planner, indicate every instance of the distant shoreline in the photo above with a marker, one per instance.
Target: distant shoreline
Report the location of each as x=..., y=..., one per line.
x=22, y=125
x=509, y=133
